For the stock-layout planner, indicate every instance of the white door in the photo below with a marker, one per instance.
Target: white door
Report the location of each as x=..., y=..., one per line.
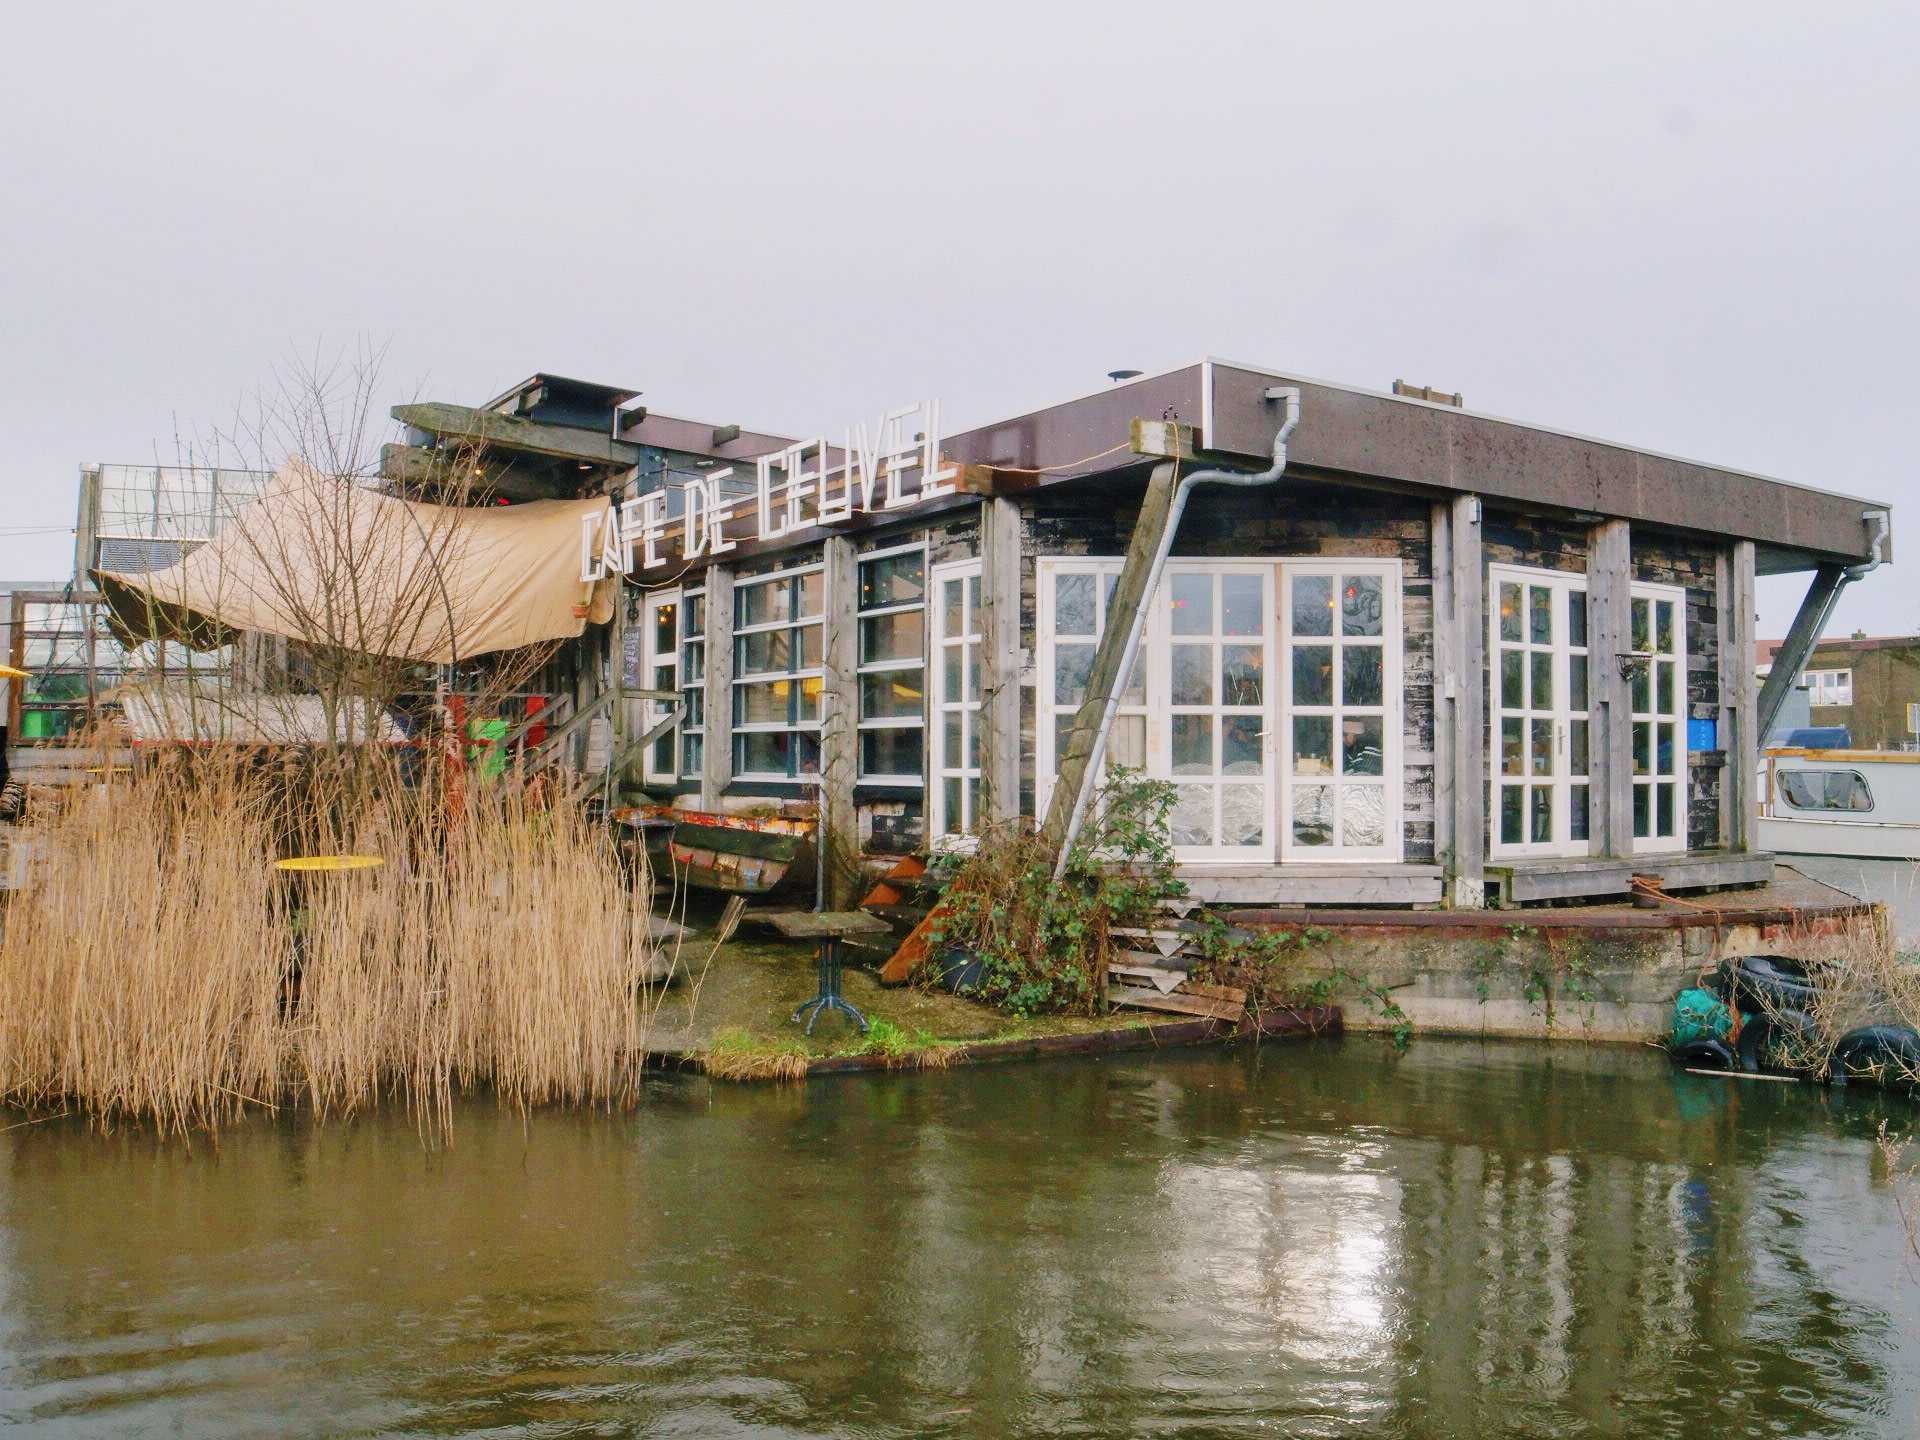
x=1212, y=622
x=955, y=663
x=1540, y=692
x=1340, y=710
x=1659, y=695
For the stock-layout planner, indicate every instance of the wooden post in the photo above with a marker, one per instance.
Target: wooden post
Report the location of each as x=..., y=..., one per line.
x=1609, y=636
x=1129, y=594
x=716, y=750
x=839, y=726
x=1733, y=599
x=1000, y=619
x=1459, y=709
x=1802, y=636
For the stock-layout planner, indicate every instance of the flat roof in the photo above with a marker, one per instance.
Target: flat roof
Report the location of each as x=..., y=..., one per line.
x=1345, y=430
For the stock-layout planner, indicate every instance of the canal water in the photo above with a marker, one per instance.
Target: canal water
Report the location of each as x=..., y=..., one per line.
x=1309, y=1239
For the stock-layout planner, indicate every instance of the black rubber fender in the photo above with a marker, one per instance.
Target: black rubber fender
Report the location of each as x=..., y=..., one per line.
x=1883, y=1054
x=1772, y=1044
x=1704, y=1054
x=1760, y=984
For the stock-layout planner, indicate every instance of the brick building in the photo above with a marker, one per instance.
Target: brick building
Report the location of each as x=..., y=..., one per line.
x=1869, y=684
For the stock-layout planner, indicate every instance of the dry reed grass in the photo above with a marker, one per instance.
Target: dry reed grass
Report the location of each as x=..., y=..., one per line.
x=160, y=969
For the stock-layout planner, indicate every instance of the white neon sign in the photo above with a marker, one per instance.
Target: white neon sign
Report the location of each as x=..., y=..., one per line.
x=892, y=464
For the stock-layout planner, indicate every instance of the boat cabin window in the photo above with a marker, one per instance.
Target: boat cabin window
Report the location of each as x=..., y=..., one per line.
x=1826, y=790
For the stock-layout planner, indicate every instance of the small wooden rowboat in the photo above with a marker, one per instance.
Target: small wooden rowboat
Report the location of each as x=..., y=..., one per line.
x=737, y=854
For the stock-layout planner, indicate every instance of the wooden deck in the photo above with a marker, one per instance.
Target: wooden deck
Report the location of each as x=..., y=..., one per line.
x=1521, y=881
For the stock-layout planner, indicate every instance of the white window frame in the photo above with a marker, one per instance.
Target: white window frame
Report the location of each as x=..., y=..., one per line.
x=692, y=687
x=967, y=711
x=794, y=724
x=1564, y=585
x=1393, y=712
x=893, y=667
x=1831, y=687
x=1651, y=843
x=1154, y=705
x=655, y=711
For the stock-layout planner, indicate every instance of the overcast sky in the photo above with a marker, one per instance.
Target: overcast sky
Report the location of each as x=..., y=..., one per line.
x=1692, y=228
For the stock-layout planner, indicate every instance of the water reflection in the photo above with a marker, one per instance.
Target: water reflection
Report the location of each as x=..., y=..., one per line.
x=1470, y=1240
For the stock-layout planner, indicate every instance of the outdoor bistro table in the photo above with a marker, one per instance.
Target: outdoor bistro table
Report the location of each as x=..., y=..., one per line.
x=829, y=927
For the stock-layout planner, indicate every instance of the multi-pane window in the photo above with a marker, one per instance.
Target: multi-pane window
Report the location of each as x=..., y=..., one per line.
x=1341, y=625
x=693, y=682
x=777, y=675
x=1659, y=696
x=1830, y=687
x=892, y=666
x=1541, y=706
x=662, y=619
x=1074, y=599
x=1216, y=637
x=958, y=635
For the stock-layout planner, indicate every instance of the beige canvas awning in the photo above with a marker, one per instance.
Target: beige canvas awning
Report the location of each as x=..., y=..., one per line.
x=327, y=562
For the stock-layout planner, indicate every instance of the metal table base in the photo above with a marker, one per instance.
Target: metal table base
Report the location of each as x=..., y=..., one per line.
x=829, y=997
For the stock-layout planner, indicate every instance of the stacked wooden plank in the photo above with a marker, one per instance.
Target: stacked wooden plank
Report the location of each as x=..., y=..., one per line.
x=1151, y=969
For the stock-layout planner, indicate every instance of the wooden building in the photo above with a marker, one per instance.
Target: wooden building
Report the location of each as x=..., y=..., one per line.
x=1442, y=659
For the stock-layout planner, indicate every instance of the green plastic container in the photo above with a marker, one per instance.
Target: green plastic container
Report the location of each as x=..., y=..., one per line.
x=490, y=758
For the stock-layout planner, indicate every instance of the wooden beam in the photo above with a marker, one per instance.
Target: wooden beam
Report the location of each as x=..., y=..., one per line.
x=511, y=432
x=839, y=727
x=716, y=752
x=1460, y=698
x=1610, y=721
x=1733, y=600
x=1000, y=565
x=1129, y=594
x=1791, y=658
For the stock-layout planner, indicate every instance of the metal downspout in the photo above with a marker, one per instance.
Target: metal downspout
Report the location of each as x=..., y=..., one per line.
x=1290, y=395
x=1876, y=550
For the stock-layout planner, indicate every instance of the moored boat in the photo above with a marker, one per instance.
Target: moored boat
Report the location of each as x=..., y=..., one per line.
x=1857, y=803
x=736, y=854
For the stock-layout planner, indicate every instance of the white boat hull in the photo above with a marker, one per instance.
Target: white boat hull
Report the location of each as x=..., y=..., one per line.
x=1855, y=839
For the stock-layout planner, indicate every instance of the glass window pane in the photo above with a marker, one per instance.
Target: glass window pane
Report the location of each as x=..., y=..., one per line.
x=1541, y=830
x=1192, y=820
x=1513, y=800
x=1242, y=607
x=1540, y=748
x=1313, y=605
x=895, y=580
x=1127, y=742
x=760, y=603
x=1363, y=815
x=1190, y=603
x=766, y=752
x=813, y=589
x=952, y=722
x=1361, y=606
x=1073, y=612
x=764, y=704
x=1512, y=755
x=1313, y=675
x=1313, y=744
x=807, y=706
x=953, y=610
x=891, y=637
x=766, y=652
x=1072, y=665
x=1362, y=675
x=1243, y=818
x=1577, y=812
x=1241, y=745
x=1663, y=627
x=1577, y=748
x=1193, y=745
x=1362, y=745
x=973, y=601
x=1577, y=682
x=1312, y=815
x=1642, y=626
x=692, y=754
x=956, y=819
x=973, y=672
x=1242, y=674
x=1640, y=689
x=1540, y=614
x=1509, y=610
x=1664, y=752
x=892, y=695
x=891, y=752
x=1577, y=618
x=1193, y=675
x=1663, y=810
x=1642, y=747
x=666, y=629
x=1512, y=680
x=1663, y=690
x=1542, y=684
